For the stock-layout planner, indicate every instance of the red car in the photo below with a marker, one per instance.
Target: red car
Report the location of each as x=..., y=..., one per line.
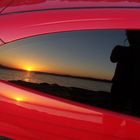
x=55, y=69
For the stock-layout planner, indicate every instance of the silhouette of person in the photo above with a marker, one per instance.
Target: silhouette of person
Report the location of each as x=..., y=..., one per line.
x=127, y=74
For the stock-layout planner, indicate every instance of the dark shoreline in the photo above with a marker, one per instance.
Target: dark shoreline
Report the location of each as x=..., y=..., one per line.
x=89, y=97
x=78, y=77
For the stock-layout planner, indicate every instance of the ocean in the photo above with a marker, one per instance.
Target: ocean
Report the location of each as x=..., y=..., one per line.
x=7, y=75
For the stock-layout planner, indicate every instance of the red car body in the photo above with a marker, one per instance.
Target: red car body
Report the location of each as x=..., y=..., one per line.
x=28, y=114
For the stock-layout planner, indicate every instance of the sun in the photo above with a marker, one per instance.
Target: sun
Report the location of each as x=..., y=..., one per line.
x=28, y=69
x=19, y=99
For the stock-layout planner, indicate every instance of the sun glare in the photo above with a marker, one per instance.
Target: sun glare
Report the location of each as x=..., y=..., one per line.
x=19, y=99
x=28, y=69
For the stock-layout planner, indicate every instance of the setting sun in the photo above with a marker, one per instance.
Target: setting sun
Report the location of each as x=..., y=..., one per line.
x=19, y=99
x=28, y=69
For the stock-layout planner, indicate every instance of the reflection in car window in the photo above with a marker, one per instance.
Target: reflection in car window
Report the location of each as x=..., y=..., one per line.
x=73, y=65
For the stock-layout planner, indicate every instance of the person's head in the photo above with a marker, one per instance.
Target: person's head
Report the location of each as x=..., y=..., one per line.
x=133, y=37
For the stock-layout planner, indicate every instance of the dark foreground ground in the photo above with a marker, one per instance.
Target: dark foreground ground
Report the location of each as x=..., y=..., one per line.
x=94, y=98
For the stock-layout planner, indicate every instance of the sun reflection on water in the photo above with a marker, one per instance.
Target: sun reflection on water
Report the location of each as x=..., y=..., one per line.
x=27, y=77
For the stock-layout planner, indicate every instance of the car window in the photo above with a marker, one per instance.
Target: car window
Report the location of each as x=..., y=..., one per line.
x=83, y=66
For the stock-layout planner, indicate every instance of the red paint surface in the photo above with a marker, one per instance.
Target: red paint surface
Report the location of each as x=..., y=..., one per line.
x=38, y=116
x=4, y=4
x=34, y=23
x=25, y=5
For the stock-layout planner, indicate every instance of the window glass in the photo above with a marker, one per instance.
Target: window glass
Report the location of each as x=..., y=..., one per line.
x=74, y=65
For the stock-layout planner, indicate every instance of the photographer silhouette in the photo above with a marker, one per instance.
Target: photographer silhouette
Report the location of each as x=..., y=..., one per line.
x=127, y=74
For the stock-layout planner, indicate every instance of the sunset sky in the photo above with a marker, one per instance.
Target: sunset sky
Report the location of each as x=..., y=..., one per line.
x=78, y=53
